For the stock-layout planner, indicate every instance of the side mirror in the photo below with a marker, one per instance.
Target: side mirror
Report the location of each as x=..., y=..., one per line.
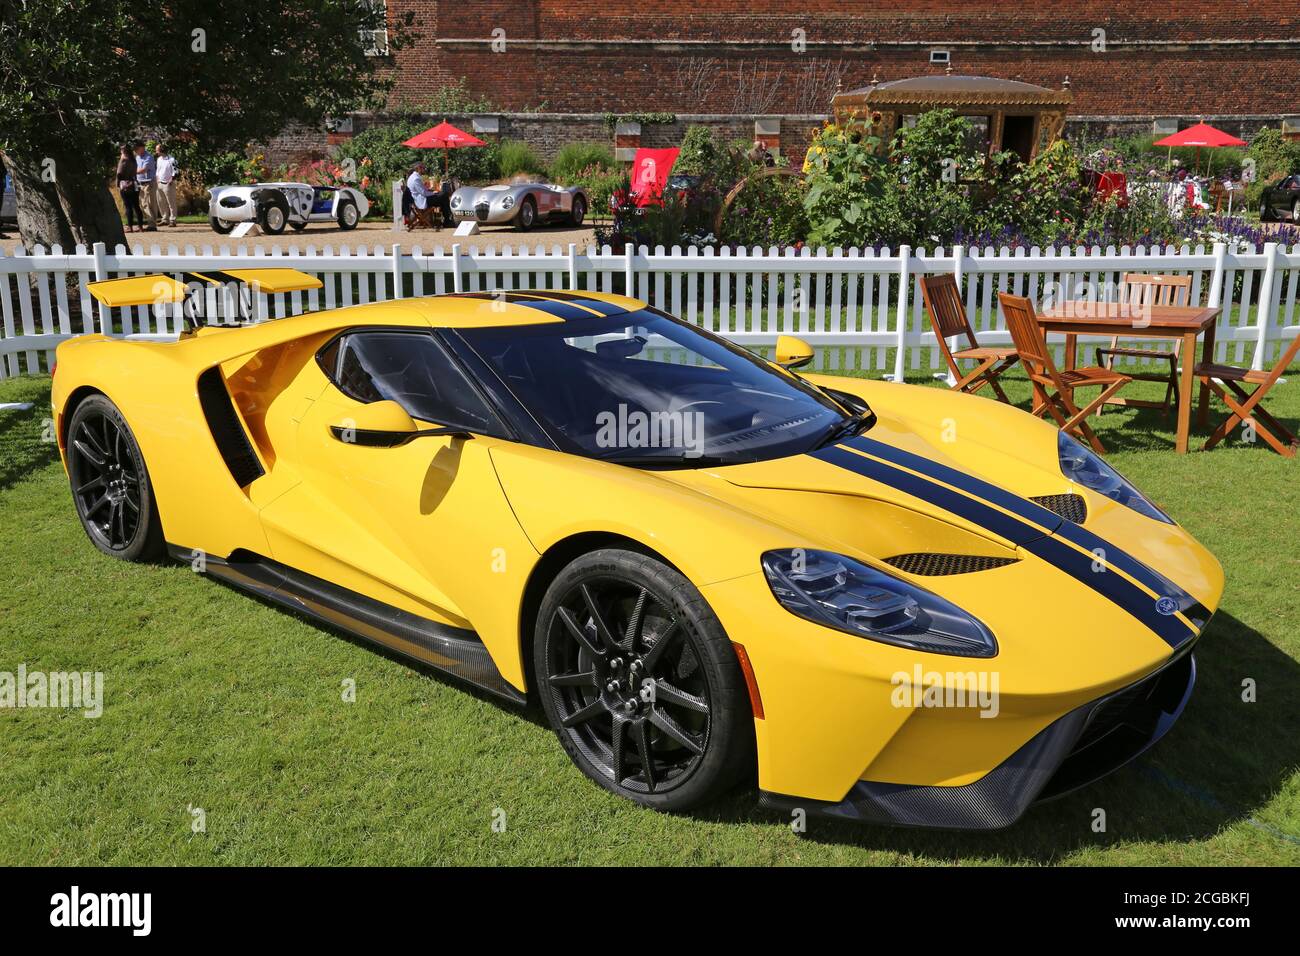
x=384, y=425
x=792, y=352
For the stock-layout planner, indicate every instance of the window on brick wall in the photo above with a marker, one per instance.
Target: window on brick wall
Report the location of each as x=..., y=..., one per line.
x=939, y=57
x=376, y=41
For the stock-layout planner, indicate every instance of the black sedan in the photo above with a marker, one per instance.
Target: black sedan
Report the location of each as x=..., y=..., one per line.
x=1281, y=200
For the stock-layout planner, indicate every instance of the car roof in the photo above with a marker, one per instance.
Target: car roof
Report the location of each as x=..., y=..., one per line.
x=458, y=310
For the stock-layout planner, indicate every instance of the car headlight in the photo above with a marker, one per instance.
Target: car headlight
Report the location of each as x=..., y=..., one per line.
x=455, y=201
x=507, y=202
x=1082, y=466
x=836, y=591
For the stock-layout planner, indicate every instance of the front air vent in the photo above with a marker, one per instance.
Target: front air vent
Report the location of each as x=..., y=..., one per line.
x=1070, y=507
x=931, y=563
x=227, y=430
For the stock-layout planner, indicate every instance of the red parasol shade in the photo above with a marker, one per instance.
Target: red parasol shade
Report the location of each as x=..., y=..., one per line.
x=1202, y=134
x=444, y=136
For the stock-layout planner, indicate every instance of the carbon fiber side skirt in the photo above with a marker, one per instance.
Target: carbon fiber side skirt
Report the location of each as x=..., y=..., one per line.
x=452, y=650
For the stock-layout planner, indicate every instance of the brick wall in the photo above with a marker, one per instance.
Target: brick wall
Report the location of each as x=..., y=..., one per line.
x=1233, y=62
x=1160, y=57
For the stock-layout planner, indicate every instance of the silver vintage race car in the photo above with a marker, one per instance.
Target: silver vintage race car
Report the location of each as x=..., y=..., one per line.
x=276, y=205
x=524, y=204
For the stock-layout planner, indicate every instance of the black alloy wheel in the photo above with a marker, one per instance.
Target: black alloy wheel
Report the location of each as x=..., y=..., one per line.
x=642, y=688
x=110, y=485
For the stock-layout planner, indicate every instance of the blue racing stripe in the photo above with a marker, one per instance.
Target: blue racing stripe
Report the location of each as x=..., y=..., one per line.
x=1119, y=590
x=577, y=298
x=558, y=309
x=1032, y=511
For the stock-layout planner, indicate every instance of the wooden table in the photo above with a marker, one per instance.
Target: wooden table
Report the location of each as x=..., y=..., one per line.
x=1185, y=322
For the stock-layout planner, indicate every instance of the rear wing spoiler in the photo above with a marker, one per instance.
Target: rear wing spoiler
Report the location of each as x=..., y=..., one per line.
x=160, y=289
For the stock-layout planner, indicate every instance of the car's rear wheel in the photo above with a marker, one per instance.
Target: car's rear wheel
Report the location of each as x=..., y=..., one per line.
x=1295, y=211
x=273, y=216
x=348, y=215
x=220, y=226
x=640, y=683
x=579, y=212
x=110, y=484
x=527, y=215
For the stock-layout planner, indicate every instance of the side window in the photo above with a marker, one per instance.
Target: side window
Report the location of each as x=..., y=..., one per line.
x=412, y=369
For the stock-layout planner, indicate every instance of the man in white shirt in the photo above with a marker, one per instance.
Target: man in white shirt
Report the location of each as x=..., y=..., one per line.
x=165, y=170
x=415, y=185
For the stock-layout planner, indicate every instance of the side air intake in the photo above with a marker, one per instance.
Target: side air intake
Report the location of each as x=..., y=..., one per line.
x=1070, y=507
x=227, y=430
x=931, y=563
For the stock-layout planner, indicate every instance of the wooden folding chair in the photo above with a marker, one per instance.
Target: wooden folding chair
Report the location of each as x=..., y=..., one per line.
x=423, y=218
x=1138, y=288
x=948, y=319
x=1245, y=405
x=1054, y=389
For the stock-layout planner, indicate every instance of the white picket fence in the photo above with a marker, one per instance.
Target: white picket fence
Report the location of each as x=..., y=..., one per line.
x=861, y=310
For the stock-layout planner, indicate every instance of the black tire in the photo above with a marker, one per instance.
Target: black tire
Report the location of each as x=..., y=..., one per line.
x=1295, y=211
x=526, y=217
x=110, y=483
x=220, y=226
x=612, y=688
x=297, y=226
x=1265, y=211
x=579, y=211
x=348, y=216
x=273, y=215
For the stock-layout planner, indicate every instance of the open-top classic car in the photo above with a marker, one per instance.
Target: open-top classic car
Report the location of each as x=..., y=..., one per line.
x=523, y=204
x=276, y=205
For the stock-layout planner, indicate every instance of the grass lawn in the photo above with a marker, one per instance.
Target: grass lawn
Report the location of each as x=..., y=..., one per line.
x=216, y=701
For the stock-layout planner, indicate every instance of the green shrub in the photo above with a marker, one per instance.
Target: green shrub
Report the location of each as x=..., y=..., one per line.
x=579, y=159
x=699, y=152
x=516, y=157
x=600, y=185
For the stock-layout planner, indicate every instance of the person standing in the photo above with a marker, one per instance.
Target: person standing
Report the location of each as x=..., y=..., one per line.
x=126, y=187
x=146, y=182
x=165, y=170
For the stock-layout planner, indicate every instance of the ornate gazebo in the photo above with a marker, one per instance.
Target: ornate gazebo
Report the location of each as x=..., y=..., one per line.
x=1008, y=114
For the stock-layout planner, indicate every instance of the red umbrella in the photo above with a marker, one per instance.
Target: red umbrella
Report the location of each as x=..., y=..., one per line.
x=444, y=136
x=1202, y=134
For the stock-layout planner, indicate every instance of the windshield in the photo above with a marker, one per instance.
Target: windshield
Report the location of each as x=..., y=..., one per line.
x=644, y=388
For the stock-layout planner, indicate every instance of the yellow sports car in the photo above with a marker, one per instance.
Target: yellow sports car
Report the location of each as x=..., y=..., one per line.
x=897, y=604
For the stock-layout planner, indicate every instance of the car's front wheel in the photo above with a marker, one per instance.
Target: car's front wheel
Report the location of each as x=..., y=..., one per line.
x=349, y=216
x=579, y=212
x=527, y=215
x=640, y=682
x=1295, y=211
x=110, y=484
x=273, y=216
x=220, y=226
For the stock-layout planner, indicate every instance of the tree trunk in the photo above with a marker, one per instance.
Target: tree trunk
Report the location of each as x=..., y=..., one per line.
x=86, y=201
x=40, y=216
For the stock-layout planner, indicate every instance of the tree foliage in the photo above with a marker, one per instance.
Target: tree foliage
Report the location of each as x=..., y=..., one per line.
x=78, y=76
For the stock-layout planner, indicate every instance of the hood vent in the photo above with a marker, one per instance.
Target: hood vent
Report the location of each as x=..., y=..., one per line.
x=1070, y=507
x=930, y=563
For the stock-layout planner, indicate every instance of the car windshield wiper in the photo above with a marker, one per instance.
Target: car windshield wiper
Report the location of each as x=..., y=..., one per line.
x=682, y=460
x=853, y=425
